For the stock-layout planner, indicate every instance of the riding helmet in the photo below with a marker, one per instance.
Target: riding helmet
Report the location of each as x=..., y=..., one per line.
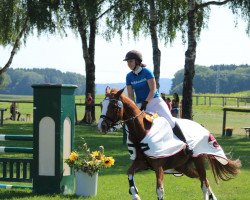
x=133, y=54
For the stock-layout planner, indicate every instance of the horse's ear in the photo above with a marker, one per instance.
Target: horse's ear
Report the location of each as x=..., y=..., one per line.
x=107, y=91
x=118, y=94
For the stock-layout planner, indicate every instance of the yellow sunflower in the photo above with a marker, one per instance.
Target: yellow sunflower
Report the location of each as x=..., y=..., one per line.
x=109, y=161
x=73, y=156
x=95, y=154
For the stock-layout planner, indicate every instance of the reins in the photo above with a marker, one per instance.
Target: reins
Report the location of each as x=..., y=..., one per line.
x=132, y=118
x=122, y=122
x=119, y=121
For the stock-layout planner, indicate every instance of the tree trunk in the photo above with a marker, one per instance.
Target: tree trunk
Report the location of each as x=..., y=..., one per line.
x=88, y=53
x=154, y=39
x=189, y=69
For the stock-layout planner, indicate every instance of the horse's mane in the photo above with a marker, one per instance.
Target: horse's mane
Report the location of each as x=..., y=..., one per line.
x=125, y=99
x=130, y=104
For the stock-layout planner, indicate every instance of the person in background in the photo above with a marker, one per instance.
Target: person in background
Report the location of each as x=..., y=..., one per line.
x=169, y=103
x=89, y=108
x=14, y=111
x=163, y=97
x=175, y=105
x=141, y=81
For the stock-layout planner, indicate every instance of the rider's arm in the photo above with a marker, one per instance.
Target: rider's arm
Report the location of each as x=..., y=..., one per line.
x=130, y=92
x=152, y=87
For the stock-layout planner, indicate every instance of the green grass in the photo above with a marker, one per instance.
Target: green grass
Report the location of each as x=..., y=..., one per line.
x=112, y=183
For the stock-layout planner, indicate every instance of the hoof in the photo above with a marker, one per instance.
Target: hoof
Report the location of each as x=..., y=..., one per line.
x=136, y=197
x=212, y=197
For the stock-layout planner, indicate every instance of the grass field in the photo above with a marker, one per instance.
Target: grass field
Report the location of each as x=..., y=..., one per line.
x=112, y=183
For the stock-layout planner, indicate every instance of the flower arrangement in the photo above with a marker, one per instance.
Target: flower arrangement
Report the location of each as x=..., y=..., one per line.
x=89, y=162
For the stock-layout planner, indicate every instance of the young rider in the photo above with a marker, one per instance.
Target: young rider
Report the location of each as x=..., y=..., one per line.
x=141, y=81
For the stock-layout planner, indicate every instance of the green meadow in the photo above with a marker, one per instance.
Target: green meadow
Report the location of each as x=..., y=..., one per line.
x=112, y=182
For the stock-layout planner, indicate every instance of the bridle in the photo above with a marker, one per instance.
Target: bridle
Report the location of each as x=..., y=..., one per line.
x=109, y=121
x=113, y=122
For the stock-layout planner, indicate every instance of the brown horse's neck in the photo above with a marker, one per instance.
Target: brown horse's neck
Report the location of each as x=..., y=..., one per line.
x=134, y=119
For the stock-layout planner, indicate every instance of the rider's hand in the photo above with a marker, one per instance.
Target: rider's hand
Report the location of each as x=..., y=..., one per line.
x=144, y=105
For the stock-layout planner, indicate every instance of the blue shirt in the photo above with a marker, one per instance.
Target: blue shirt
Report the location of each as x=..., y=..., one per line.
x=140, y=85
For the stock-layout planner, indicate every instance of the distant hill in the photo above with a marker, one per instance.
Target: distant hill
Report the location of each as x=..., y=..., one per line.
x=165, y=85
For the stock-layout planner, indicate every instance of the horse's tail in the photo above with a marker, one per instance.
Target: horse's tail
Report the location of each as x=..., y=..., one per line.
x=224, y=172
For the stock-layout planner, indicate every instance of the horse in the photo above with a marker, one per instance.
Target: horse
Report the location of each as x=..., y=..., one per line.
x=118, y=108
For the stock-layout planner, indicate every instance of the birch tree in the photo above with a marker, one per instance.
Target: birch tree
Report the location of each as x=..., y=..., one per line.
x=196, y=10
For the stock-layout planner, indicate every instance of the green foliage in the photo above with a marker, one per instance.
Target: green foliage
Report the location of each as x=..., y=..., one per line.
x=42, y=14
x=134, y=16
x=20, y=80
x=231, y=79
x=4, y=80
x=12, y=17
x=242, y=9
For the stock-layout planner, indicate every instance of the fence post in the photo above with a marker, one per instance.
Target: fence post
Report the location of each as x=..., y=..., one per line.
x=53, y=133
x=224, y=121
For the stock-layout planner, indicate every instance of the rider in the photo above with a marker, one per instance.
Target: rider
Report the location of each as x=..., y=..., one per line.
x=141, y=81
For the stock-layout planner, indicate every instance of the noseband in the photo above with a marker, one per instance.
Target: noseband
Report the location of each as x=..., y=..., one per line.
x=112, y=122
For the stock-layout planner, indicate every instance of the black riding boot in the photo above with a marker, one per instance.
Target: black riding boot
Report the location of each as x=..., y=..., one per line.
x=177, y=131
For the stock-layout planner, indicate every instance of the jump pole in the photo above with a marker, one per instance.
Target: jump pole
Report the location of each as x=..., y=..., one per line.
x=6, y=186
x=4, y=149
x=16, y=137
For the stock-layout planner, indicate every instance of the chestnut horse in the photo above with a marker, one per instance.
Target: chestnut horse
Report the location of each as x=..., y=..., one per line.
x=117, y=107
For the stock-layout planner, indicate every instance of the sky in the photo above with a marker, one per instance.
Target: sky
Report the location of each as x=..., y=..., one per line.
x=221, y=43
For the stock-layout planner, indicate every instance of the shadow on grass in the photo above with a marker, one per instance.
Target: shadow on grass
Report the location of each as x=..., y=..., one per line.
x=17, y=128
x=27, y=193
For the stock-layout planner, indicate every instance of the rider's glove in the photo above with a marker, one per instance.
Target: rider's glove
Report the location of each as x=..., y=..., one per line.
x=144, y=105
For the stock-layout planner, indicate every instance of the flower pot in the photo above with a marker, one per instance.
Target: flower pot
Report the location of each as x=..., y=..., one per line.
x=86, y=185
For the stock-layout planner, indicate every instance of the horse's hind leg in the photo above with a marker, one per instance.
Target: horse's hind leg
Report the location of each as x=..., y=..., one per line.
x=159, y=183
x=200, y=167
x=208, y=193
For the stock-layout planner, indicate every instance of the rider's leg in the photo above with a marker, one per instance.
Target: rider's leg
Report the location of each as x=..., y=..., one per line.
x=159, y=105
x=178, y=132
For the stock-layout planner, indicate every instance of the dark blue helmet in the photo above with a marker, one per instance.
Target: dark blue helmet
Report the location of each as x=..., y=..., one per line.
x=133, y=54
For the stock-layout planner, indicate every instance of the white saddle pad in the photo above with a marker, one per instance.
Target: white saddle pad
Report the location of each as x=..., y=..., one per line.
x=159, y=142
x=162, y=142
x=201, y=140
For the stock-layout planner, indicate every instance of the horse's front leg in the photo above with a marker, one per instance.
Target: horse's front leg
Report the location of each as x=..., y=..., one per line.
x=159, y=183
x=137, y=165
x=132, y=187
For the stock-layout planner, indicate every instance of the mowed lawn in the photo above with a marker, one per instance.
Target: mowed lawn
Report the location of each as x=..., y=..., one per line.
x=112, y=183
